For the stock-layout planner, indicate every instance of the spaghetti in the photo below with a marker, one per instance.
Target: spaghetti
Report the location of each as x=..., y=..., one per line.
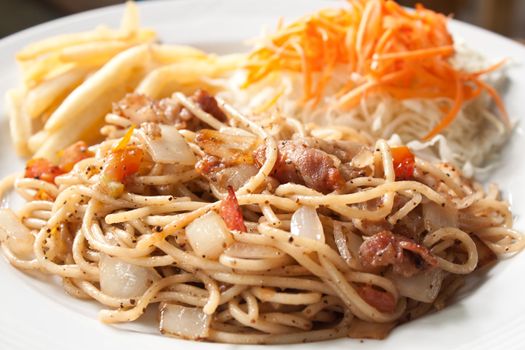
x=245, y=232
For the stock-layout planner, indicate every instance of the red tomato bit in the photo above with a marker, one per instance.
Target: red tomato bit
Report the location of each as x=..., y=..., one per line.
x=404, y=162
x=231, y=212
x=381, y=300
x=123, y=162
x=42, y=169
x=73, y=154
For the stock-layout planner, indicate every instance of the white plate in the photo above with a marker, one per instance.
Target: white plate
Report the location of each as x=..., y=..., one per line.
x=38, y=315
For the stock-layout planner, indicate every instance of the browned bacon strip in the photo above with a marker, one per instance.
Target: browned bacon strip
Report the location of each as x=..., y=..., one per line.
x=231, y=212
x=385, y=248
x=381, y=300
x=299, y=163
x=208, y=104
x=142, y=109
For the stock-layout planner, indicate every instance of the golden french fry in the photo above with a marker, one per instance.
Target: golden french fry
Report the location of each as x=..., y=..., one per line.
x=37, y=140
x=130, y=21
x=186, y=74
x=162, y=81
x=56, y=43
x=52, y=91
x=166, y=54
x=93, y=53
x=84, y=124
x=129, y=32
x=143, y=35
x=19, y=122
x=226, y=63
x=110, y=77
x=40, y=68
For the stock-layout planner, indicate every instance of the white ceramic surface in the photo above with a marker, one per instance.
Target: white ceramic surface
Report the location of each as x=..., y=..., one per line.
x=36, y=315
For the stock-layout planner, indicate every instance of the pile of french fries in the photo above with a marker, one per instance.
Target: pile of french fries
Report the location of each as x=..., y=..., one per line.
x=69, y=82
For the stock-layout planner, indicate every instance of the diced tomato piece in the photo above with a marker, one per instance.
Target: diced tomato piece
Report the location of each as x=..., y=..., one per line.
x=122, y=163
x=231, y=212
x=42, y=169
x=73, y=154
x=42, y=195
x=381, y=300
x=404, y=162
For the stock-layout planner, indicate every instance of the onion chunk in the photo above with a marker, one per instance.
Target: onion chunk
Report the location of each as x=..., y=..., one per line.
x=306, y=223
x=208, y=235
x=120, y=279
x=422, y=287
x=166, y=145
x=16, y=235
x=185, y=322
x=435, y=216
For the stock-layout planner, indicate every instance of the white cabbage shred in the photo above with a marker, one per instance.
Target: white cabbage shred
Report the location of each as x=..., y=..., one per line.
x=470, y=142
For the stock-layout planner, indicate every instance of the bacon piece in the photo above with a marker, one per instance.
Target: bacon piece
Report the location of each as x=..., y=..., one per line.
x=208, y=104
x=344, y=150
x=385, y=248
x=404, y=162
x=73, y=154
x=231, y=212
x=42, y=169
x=381, y=300
x=418, y=249
x=230, y=149
x=143, y=109
x=139, y=109
x=299, y=163
x=209, y=165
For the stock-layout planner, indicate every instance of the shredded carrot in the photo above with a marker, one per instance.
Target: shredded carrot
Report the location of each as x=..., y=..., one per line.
x=452, y=113
x=416, y=54
x=125, y=139
x=395, y=51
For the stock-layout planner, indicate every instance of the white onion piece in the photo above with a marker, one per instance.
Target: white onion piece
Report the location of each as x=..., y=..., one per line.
x=435, y=216
x=363, y=159
x=208, y=235
x=236, y=176
x=340, y=242
x=120, y=279
x=422, y=287
x=185, y=322
x=227, y=147
x=252, y=251
x=169, y=147
x=15, y=234
x=306, y=223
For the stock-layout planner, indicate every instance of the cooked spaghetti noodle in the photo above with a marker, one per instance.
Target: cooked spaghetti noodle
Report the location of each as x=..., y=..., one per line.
x=251, y=232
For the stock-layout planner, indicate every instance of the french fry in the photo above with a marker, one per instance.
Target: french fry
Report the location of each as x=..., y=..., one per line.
x=37, y=140
x=19, y=123
x=71, y=80
x=163, y=81
x=129, y=33
x=58, y=42
x=101, y=83
x=229, y=62
x=167, y=54
x=130, y=20
x=40, y=68
x=85, y=122
x=144, y=35
x=42, y=96
x=93, y=53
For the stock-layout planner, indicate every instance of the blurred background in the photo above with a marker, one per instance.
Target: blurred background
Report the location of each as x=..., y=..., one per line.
x=506, y=17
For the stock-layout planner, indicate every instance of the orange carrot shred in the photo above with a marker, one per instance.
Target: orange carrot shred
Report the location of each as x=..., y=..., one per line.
x=375, y=39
